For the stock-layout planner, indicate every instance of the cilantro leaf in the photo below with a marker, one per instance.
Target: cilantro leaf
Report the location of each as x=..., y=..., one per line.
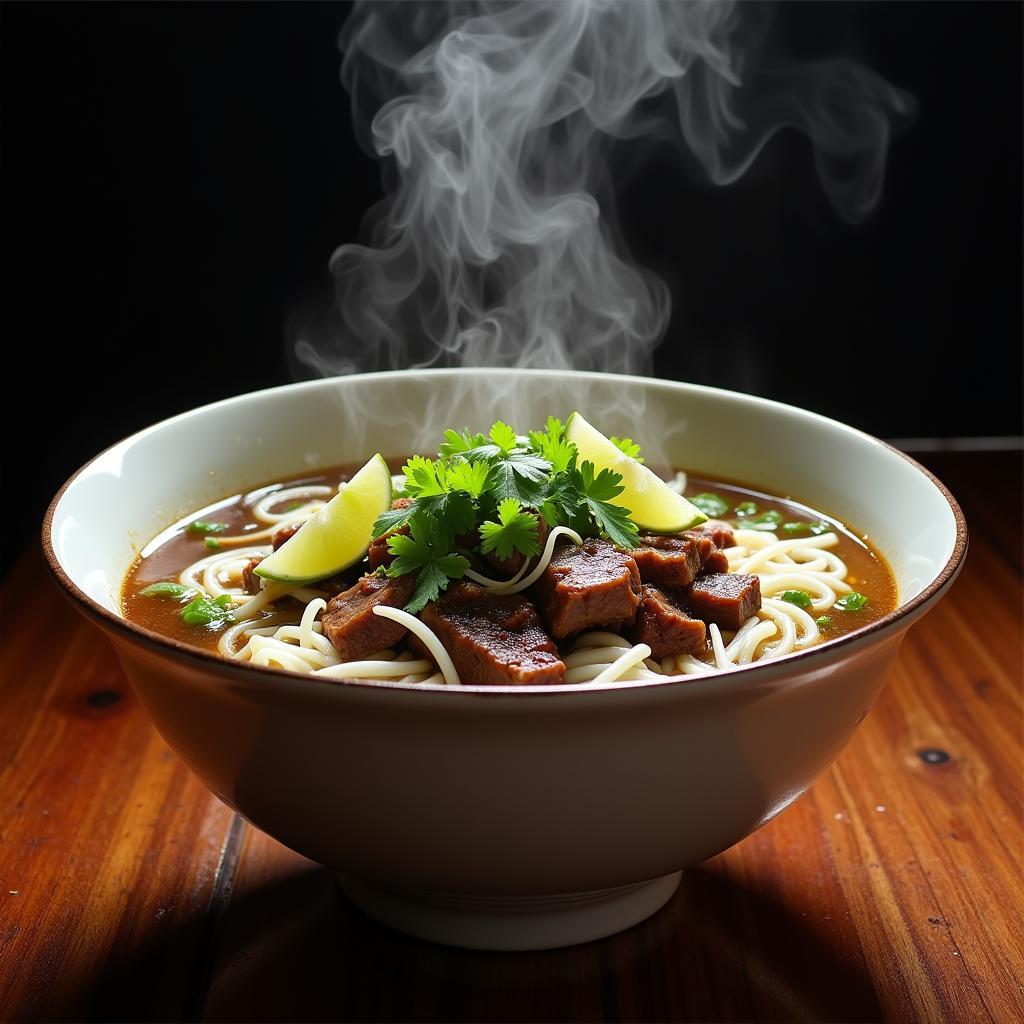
x=393, y=519
x=449, y=515
x=421, y=476
x=602, y=487
x=503, y=436
x=458, y=444
x=470, y=477
x=627, y=446
x=433, y=578
x=519, y=475
x=515, y=531
x=596, y=492
x=424, y=552
x=503, y=441
x=551, y=445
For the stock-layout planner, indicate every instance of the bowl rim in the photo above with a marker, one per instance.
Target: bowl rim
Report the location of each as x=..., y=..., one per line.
x=260, y=673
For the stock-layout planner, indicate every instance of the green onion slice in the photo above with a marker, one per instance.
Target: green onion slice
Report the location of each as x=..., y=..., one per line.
x=710, y=504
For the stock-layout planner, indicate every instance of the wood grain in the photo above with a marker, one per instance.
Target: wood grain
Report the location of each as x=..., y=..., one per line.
x=891, y=891
x=108, y=845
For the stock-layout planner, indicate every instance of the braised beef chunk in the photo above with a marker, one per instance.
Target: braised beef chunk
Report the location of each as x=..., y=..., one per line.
x=675, y=560
x=671, y=561
x=493, y=639
x=285, y=533
x=508, y=567
x=665, y=627
x=586, y=586
x=715, y=562
x=378, y=553
x=250, y=581
x=719, y=532
x=349, y=621
x=726, y=598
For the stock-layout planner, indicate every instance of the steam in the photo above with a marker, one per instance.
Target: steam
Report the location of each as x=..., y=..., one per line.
x=497, y=243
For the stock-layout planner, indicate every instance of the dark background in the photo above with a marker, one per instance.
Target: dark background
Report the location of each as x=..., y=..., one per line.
x=175, y=178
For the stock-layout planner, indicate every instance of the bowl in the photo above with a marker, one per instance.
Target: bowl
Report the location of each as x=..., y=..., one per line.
x=503, y=817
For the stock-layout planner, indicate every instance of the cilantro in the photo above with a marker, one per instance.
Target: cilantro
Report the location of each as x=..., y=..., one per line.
x=488, y=492
x=470, y=477
x=426, y=553
x=518, y=475
x=458, y=444
x=595, y=494
x=393, y=519
x=502, y=441
x=627, y=446
x=421, y=476
x=515, y=531
x=450, y=514
x=550, y=444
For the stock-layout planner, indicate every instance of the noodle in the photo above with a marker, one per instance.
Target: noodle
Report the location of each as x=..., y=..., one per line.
x=602, y=657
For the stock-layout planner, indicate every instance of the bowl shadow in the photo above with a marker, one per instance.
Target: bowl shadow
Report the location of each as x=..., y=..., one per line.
x=296, y=949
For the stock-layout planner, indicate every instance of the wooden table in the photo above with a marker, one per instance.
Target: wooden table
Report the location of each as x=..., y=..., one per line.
x=892, y=890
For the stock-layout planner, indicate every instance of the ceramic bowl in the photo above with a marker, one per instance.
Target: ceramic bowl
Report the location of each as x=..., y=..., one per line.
x=491, y=817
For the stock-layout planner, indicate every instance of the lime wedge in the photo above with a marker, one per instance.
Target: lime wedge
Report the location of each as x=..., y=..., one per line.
x=652, y=504
x=338, y=535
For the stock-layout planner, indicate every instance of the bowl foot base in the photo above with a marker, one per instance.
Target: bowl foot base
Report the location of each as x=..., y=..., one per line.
x=510, y=923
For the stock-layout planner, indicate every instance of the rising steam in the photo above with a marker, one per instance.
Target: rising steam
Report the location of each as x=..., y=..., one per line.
x=496, y=245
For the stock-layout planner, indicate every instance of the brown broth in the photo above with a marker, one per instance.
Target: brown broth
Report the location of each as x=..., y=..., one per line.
x=168, y=554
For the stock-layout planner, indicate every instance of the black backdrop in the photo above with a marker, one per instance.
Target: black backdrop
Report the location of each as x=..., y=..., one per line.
x=176, y=176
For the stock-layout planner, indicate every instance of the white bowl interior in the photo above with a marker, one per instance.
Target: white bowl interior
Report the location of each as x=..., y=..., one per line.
x=131, y=492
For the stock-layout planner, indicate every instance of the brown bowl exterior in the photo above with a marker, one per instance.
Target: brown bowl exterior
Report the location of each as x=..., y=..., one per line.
x=507, y=793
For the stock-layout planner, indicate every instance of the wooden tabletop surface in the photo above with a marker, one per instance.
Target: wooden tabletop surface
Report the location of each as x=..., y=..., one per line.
x=891, y=891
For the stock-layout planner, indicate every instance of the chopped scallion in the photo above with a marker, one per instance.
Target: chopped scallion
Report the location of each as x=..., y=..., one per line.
x=168, y=591
x=798, y=597
x=713, y=505
x=765, y=521
x=822, y=621
x=746, y=508
x=202, y=528
x=201, y=611
x=852, y=602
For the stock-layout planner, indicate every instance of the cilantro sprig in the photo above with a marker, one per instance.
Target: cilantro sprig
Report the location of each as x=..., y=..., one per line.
x=489, y=492
x=515, y=530
x=425, y=551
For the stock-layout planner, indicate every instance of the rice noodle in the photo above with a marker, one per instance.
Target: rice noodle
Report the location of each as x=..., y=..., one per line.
x=261, y=508
x=601, y=657
x=518, y=582
x=427, y=635
x=220, y=573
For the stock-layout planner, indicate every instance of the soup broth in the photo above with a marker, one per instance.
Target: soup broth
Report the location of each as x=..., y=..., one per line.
x=836, y=580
